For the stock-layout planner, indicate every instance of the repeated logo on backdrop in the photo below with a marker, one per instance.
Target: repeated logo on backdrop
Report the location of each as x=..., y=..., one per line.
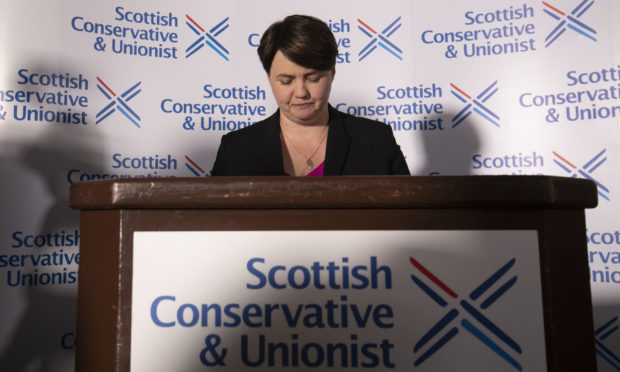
x=587, y=170
x=508, y=31
x=140, y=33
x=195, y=168
x=591, y=95
x=475, y=104
x=486, y=33
x=41, y=259
x=207, y=37
x=48, y=98
x=218, y=109
x=118, y=103
x=154, y=165
x=606, y=353
x=566, y=21
x=380, y=39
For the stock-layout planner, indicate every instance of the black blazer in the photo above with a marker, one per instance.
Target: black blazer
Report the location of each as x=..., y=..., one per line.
x=355, y=146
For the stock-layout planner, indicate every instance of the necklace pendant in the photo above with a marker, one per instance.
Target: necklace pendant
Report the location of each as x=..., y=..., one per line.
x=309, y=164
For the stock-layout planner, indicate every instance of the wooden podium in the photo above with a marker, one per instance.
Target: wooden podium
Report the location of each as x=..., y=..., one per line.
x=112, y=210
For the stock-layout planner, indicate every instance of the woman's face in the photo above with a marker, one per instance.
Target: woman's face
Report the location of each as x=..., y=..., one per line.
x=301, y=93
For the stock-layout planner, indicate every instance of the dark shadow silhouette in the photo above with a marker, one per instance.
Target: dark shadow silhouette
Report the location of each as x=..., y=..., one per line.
x=449, y=151
x=607, y=336
x=45, y=336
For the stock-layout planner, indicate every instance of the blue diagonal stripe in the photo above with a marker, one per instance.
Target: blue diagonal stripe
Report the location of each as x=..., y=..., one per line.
x=369, y=45
x=490, y=95
x=195, y=50
x=552, y=14
x=447, y=337
x=594, y=159
x=128, y=91
x=441, y=324
x=556, y=36
x=463, y=111
x=127, y=115
x=191, y=26
x=595, y=181
x=457, y=122
x=607, y=351
x=585, y=9
x=220, y=31
x=217, y=50
x=581, y=24
x=614, y=365
x=489, y=112
x=429, y=291
x=497, y=294
x=603, y=196
x=106, y=108
x=365, y=31
x=105, y=116
x=198, y=43
x=591, y=170
x=605, y=326
x=104, y=92
x=390, y=50
x=463, y=118
x=579, y=7
x=133, y=95
x=562, y=166
x=394, y=30
x=192, y=170
x=611, y=331
x=485, y=116
x=217, y=43
x=218, y=25
x=581, y=32
x=555, y=30
x=476, y=293
x=492, y=345
x=391, y=25
x=128, y=108
x=484, y=92
x=368, y=52
x=458, y=96
x=385, y=40
x=491, y=327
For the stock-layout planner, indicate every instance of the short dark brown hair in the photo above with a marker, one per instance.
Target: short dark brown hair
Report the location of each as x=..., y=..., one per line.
x=303, y=39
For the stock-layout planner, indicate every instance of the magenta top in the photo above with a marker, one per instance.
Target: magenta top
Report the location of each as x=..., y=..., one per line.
x=316, y=172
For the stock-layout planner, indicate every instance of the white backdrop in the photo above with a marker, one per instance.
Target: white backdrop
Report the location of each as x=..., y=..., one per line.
x=93, y=90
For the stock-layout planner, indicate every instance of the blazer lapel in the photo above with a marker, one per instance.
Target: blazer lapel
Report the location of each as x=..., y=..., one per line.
x=337, y=146
x=272, y=147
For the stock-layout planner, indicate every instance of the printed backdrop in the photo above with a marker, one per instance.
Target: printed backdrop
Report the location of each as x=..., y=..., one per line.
x=97, y=90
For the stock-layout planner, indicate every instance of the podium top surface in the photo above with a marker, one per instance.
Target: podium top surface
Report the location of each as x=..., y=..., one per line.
x=336, y=192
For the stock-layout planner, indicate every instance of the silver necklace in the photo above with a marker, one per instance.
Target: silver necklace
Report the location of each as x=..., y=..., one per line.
x=309, y=162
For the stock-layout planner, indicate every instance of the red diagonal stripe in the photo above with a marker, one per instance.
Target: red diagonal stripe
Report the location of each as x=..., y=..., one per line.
x=432, y=277
x=194, y=164
x=365, y=25
x=556, y=9
x=194, y=22
x=463, y=93
x=107, y=87
x=566, y=161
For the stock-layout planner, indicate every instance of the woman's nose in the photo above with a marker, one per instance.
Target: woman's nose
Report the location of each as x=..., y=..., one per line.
x=300, y=89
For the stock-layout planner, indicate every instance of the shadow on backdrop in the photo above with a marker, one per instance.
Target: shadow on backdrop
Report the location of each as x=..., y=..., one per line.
x=449, y=152
x=607, y=336
x=45, y=337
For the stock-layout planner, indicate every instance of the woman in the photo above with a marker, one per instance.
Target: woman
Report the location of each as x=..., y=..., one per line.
x=306, y=136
